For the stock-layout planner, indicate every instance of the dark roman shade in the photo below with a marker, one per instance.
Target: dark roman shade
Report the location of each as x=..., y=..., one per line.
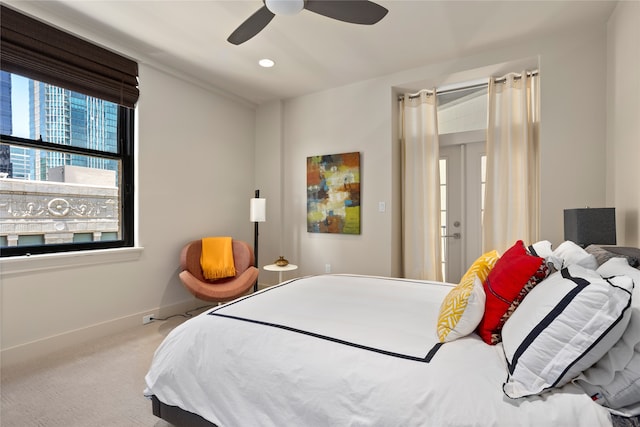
x=41, y=52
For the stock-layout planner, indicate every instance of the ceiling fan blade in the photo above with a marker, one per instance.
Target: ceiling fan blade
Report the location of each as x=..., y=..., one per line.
x=252, y=26
x=353, y=11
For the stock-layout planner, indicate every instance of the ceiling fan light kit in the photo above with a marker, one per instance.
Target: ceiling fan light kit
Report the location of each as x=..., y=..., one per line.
x=363, y=12
x=284, y=7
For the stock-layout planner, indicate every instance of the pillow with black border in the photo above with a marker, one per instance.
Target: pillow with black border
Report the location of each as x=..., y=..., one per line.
x=614, y=381
x=564, y=326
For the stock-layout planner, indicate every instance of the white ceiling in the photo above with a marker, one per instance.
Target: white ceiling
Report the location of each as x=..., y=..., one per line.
x=312, y=52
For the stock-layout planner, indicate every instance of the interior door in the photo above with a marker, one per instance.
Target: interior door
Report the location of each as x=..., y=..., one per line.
x=451, y=202
x=475, y=176
x=462, y=194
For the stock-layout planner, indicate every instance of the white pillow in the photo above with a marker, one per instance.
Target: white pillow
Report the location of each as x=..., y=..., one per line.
x=572, y=254
x=562, y=327
x=614, y=381
x=542, y=249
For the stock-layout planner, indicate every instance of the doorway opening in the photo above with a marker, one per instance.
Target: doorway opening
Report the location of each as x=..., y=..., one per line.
x=462, y=121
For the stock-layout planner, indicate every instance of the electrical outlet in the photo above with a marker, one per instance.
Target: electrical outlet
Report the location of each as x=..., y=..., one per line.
x=147, y=319
x=327, y=268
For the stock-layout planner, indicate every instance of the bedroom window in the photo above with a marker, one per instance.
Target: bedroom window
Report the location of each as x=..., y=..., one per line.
x=66, y=141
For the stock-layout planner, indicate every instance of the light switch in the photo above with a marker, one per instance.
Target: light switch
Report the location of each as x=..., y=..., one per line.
x=382, y=206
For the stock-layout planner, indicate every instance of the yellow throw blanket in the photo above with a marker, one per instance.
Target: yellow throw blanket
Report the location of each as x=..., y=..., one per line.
x=216, y=259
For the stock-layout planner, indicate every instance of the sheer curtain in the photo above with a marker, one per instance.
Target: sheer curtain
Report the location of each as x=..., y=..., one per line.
x=511, y=210
x=421, y=186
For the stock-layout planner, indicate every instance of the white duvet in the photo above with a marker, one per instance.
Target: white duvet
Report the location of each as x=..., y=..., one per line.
x=340, y=350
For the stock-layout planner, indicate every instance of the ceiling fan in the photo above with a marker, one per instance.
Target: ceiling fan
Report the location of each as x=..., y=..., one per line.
x=353, y=11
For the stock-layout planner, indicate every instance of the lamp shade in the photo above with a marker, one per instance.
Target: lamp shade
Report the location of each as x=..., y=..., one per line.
x=258, y=210
x=590, y=226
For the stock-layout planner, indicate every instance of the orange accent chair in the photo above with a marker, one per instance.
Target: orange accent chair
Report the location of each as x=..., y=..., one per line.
x=220, y=290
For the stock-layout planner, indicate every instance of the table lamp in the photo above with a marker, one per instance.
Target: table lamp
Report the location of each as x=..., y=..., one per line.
x=590, y=226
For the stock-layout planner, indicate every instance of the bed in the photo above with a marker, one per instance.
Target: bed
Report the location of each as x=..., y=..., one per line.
x=338, y=350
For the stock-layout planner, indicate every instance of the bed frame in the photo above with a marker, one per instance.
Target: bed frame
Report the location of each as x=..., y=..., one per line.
x=177, y=416
x=181, y=418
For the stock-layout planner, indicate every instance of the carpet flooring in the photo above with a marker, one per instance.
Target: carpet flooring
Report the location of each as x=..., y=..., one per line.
x=99, y=383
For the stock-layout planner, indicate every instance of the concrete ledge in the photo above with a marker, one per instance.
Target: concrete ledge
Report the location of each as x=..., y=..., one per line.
x=62, y=260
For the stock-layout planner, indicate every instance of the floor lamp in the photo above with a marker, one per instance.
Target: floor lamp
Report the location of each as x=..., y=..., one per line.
x=257, y=213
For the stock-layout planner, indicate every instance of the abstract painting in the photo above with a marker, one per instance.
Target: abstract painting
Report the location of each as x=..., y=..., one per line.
x=333, y=193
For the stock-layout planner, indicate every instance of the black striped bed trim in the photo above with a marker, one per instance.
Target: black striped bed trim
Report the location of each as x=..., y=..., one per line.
x=549, y=318
x=426, y=359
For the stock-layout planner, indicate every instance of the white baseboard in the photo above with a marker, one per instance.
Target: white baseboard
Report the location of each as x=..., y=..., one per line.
x=43, y=347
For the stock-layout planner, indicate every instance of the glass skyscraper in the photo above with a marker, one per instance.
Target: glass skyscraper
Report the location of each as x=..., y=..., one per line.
x=5, y=121
x=61, y=116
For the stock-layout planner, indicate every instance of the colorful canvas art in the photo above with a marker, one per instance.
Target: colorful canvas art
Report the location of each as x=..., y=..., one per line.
x=333, y=193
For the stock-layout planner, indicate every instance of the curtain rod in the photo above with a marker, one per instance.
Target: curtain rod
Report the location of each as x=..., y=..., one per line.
x=517, y=76
x=473, y=86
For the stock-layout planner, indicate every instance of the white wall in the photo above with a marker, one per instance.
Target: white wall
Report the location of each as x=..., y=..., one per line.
x=360, y=117
x=195, y=177
x=268, y=179
x=623, y=120
x=346, y=119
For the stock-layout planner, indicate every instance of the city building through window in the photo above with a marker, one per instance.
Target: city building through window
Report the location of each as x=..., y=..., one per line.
x=66, y=148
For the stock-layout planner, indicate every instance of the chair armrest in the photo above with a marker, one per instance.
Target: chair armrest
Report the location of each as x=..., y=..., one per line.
x=223, y=290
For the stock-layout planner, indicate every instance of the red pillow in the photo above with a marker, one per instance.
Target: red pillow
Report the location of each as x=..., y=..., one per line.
x=514, y=275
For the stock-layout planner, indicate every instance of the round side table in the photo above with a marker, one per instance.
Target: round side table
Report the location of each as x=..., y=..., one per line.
x=273, y=267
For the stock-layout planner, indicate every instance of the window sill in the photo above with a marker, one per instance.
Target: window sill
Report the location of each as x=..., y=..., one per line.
x=32, y=263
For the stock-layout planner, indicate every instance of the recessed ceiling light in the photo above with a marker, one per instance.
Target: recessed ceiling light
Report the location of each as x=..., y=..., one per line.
x=266, y=63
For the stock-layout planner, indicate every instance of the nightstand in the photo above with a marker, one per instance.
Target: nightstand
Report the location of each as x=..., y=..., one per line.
x=280, y=270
